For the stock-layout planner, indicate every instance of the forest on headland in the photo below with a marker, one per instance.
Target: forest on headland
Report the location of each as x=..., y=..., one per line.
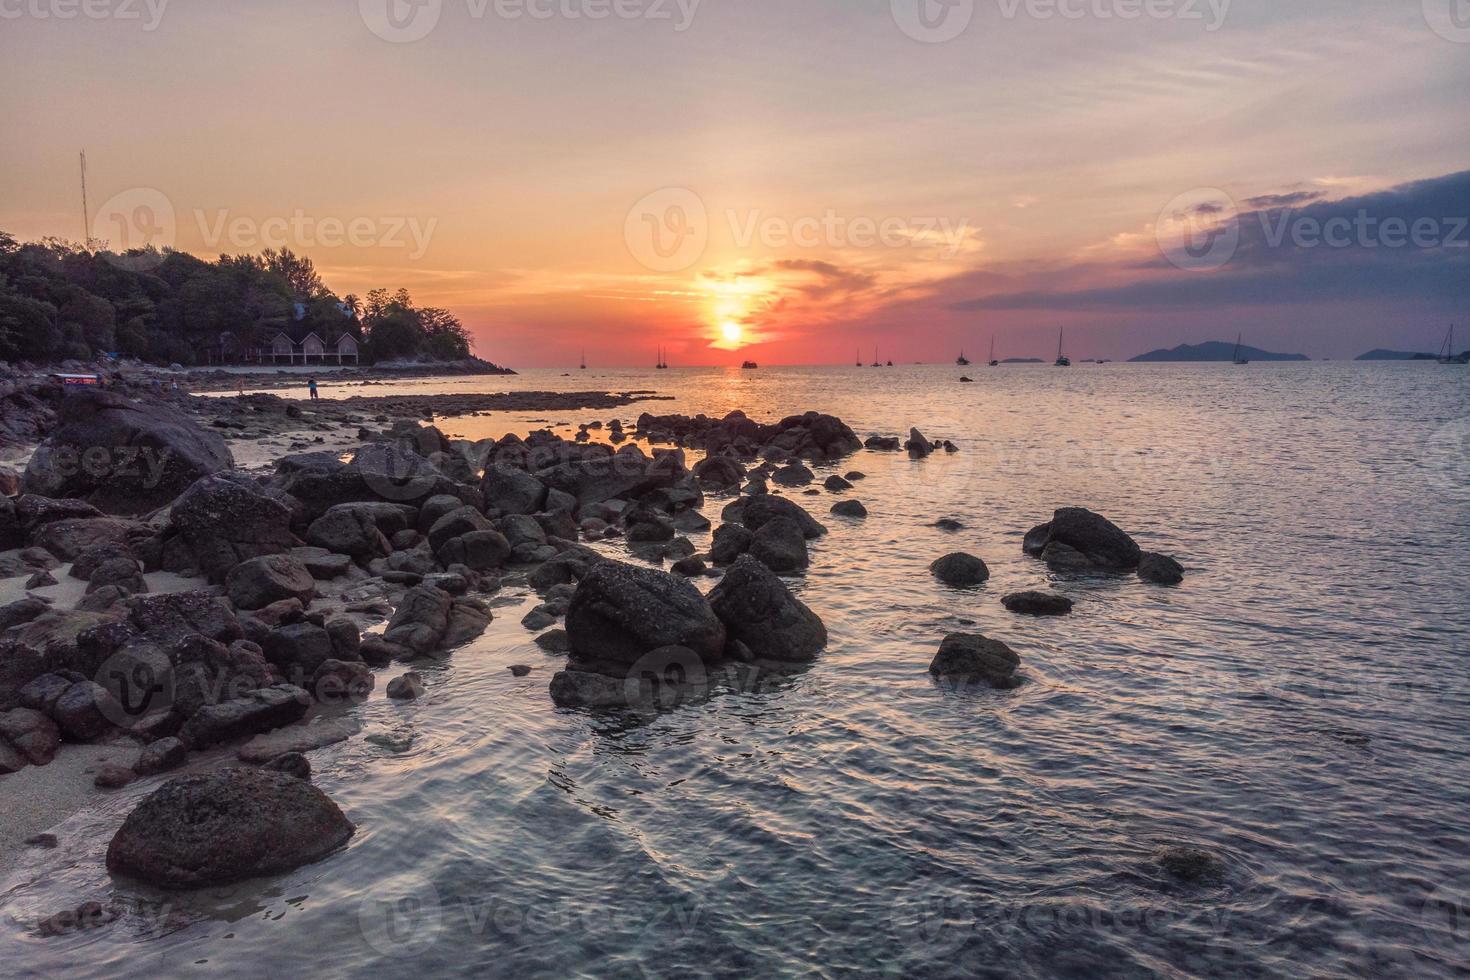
x=61, y=300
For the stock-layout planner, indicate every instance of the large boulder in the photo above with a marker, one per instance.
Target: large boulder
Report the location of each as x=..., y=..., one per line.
x=1099, y=540
x=298, y=648
x=429, y=620
x=1160, y=569
x=72, y=537
x=759, y=610
x=781, y=546
x=348, y=530
x=125, y=457
x=512, y=491
x=225, y=519
x=621, y=612
x=755, y=511
x=970, y=657
x=257, y=583
x=225, y=825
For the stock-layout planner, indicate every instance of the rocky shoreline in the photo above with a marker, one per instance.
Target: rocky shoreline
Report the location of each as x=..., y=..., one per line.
x=315, y=578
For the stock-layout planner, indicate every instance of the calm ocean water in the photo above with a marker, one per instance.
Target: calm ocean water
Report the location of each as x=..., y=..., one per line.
x=1299, y=707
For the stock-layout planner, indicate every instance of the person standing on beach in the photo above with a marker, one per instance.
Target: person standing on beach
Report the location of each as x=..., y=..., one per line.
x=311, y=386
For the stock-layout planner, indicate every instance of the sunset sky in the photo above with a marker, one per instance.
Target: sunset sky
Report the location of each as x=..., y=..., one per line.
x=788, y=180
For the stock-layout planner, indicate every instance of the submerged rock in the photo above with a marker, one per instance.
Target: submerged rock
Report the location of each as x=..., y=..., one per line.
x=226, y=825
x=960, y=570
x=1161, y=569
x=408, y=687
x=970, y=657
x=1037, y=603
x=1190, y=864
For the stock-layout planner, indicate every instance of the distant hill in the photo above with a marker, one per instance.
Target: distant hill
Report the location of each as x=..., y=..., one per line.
x=1394, y=355
x=1213, y=350
x=1023, y=360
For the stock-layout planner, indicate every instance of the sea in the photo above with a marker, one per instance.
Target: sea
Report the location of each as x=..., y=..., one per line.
x=1299, y=708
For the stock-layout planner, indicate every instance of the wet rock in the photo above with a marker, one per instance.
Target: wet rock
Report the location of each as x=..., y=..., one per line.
x=154, y=452
x=1037, y=604
x=346, y=638
x=754, y=512
x=585, y=689
x=1191, y=865
x=537, y=619
x=378, y=652
x=457, y=523
x=31, y=733
x=960, y=570
x=971, y=657
x=102, y=598
x=68, y=539
x=226, y=518
x=885, y=444
x=41, y=693
x=321, y=563
x=44, y=841
x=836, y=484
x=226, y=825
x=758, y=610
x=161, y=755
x=948, y=524
x=258, y=582
x=41, y=580
x=257, y=711
x=1160, y=569
x=111, y=775
x=917, y=445
x=342, y=682
x=554, y=641
x=730, y=542
x=621, y=612
x=692, y=566
x=408, y=687
x=121, y=573
x=850, y=508
x=1099, y=540
x=1065, y=558
x=793, y=475
x=420, y=620
x=781, y=546
x=520, y=670
x=298, y=738
x=348, y=530
x=21, y=611
x=298, y=649
x=83, y=710
x=719, y=472
x=512, y=491
x=88, y=561
x=292, y=764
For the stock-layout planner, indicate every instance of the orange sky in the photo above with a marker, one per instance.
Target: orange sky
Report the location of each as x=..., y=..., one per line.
x=758, y=179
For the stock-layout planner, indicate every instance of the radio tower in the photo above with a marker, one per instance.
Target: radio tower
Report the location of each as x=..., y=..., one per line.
x=86, y=212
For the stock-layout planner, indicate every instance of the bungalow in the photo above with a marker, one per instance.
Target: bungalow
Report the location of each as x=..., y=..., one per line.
x=312, y=349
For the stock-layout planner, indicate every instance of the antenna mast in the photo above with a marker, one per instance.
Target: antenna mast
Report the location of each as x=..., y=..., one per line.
x=86, y=212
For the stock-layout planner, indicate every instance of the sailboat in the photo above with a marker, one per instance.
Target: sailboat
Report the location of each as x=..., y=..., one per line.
x=584, y=359
x=1447, y=353
x=860, y=357
x=962, y=361
x=1237, y=358
x=1062, y=359
x=662, y=364
x=993, y=361
x=876, y=362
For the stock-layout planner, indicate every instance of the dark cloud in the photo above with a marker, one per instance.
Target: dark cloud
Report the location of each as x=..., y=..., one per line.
x=1284, y=200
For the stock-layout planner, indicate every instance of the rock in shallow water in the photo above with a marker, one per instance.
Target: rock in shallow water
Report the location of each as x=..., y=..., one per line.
x=759, y=610
x=226, y=825
x=620, y=612
x=971, y=657
x=1037, y=604
x=960, y=570
x=1160, y=569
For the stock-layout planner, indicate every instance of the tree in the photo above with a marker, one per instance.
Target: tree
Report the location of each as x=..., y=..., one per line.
x=297, y=270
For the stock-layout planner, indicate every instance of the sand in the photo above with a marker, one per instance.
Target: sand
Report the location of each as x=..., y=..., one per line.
x=39, y=797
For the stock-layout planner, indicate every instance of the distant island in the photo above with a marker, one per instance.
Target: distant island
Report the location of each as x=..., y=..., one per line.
x=1394, y=355
x=1213, y=350
x=1023, y=360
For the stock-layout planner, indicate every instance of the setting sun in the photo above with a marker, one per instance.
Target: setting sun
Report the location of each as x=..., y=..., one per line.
x=731, y=332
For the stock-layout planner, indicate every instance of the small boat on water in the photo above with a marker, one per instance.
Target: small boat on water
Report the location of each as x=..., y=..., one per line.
x=1062, y=359
x=1447, y=353
x=876, y=362
x=962, y=361
x=749, y=366
x=993, y=361
x=584, y=360
x=663, y=364
x=859, y=358
x=1237, y=358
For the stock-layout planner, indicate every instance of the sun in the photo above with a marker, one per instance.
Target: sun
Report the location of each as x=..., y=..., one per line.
x=731, y=331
